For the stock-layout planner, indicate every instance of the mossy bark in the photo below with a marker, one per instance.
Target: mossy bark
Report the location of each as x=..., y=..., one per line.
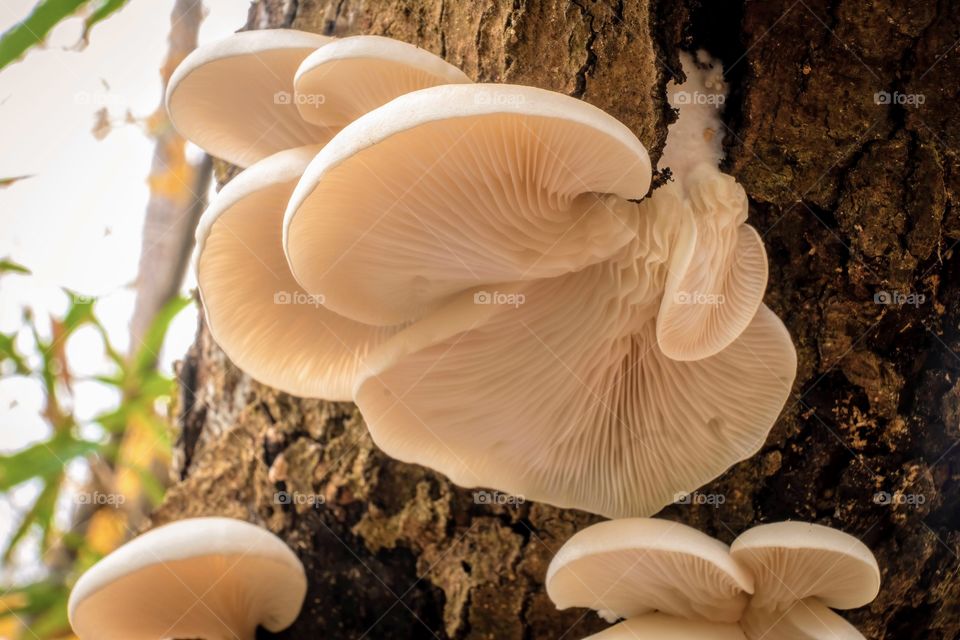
x=857, y=202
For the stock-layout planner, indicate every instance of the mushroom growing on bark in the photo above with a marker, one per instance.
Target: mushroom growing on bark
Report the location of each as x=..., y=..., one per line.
x=558, y=386
x=258, y=314
x=255, y=93
x=775, y=582
x=457, y=186
x=242, y=99
x=212, y=578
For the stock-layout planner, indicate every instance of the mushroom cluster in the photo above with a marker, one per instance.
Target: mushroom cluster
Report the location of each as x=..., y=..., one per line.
x=479, y=268
x=775, y=582
x=211, y=578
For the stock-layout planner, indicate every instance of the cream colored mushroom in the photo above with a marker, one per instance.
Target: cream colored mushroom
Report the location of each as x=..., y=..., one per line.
x=456, y=186
x=211, y=578
x=234, y=98
x=630, y=567
x=718, y=278
x=557, y=390
x=798, y=560
x=258, y=314
x=774, y=583
x=259, y=92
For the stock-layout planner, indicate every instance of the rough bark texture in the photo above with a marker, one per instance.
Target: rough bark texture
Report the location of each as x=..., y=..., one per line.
x=857, y=202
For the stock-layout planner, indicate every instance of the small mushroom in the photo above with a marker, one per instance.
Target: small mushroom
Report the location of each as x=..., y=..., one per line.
x=630, y=567
x=774, y=583
x=234, y=97
x=258, y=314
x=456, y=186
x=798, y=560
x=259, y=92
x=656, y=626
x=718, y=273
x=212, y=578
x=328, y=92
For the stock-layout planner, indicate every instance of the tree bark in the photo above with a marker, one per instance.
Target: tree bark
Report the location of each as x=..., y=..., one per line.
x=856, y=198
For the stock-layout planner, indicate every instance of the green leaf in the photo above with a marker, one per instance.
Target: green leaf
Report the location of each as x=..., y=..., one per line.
x=101, y=13
x=42, y=459
x=41, y=514
x=146, y=356
x=34, y=28
x=79, y=313
x=7, y=265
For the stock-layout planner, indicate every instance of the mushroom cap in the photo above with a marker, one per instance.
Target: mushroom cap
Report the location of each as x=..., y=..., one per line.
x=563, y=396
x=196, y=578
x=807, y=619
x=235, y=97
x=256, y=311
x=389, y=68
x=455, y=186
x=656, y=626
x=718, y=272
x=797, y=560
x=633, y=566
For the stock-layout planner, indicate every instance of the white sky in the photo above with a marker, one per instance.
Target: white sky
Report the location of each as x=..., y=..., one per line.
x=77, y=223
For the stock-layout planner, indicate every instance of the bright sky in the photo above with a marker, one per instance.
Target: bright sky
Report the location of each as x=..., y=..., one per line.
x=77, y=222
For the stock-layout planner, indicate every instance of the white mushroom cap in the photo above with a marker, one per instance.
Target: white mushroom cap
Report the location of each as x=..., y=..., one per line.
x=625, y=568
x=556, y=389
x=656, y=626
x=326, y=82
x=212, y=578
x=235, y=97
x=256, y=311
x=796, y=560
x=718, y=273
x=807, y=619
x=456, y=186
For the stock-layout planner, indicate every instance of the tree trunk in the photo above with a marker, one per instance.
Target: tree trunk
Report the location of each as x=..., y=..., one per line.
x=855, y=193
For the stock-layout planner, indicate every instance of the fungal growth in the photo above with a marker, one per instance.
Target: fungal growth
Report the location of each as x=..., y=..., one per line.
x=257, y=312
x=470, y=264
x=255, y=93
x=776, y=582
x=582, y=389
x=211, y=578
